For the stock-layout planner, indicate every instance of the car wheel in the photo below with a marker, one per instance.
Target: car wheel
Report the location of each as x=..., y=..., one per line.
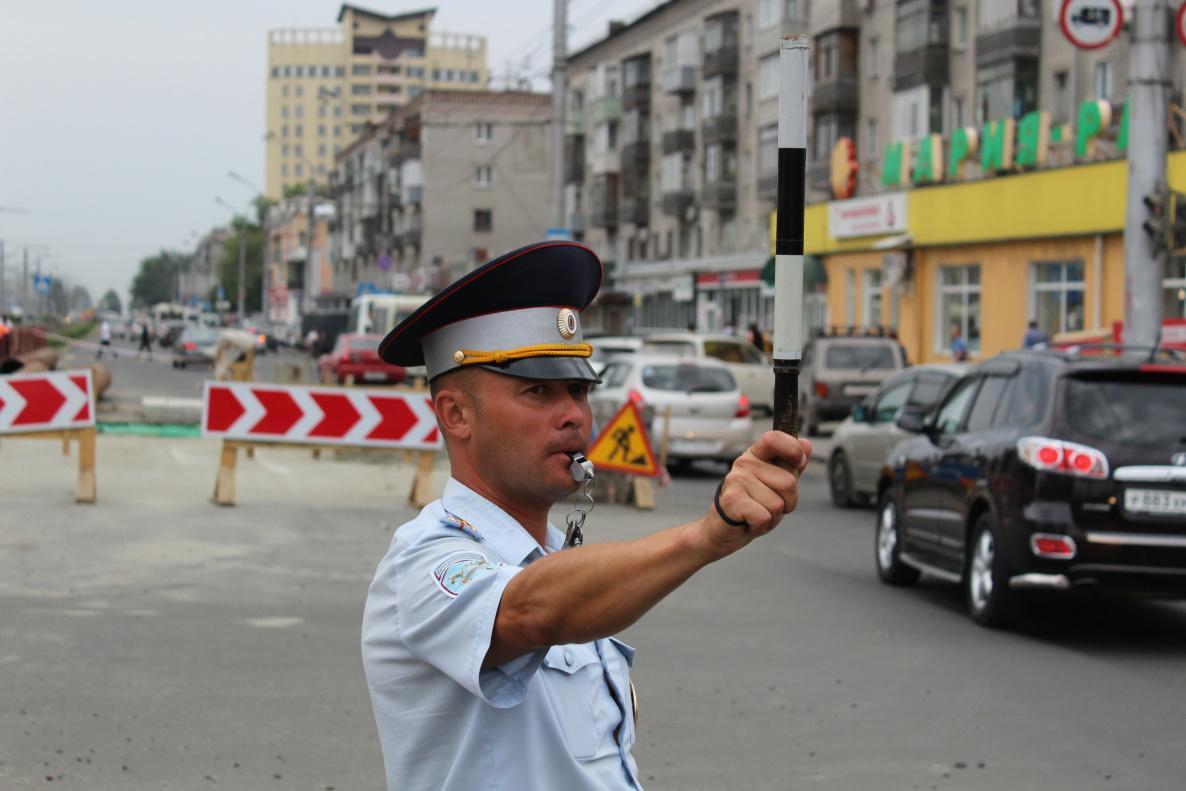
x=990, y=601
x=890, y=567
x=840, y=480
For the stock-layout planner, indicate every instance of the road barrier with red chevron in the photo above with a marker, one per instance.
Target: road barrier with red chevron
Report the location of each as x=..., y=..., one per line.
x=247, y=414
x=54, y=405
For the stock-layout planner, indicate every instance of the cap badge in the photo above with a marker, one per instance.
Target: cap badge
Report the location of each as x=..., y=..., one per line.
x=567, y=323
x=459, y=357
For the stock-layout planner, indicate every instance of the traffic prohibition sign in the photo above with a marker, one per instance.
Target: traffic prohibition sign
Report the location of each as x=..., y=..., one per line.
x=46, y=401
x=1091, y=24
x=319, y=415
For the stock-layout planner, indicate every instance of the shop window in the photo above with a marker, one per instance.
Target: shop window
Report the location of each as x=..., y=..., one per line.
x=957, y=304
x=1174, y=303
x=1056, y=295
x=871, y=294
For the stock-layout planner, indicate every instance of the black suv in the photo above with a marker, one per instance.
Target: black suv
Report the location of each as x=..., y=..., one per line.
x=1042, y=471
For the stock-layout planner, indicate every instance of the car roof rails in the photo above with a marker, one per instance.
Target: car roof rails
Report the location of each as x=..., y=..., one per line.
x=854, y=331
x=1115, y=349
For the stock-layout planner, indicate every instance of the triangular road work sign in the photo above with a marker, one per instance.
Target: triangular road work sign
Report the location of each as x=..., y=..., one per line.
x=623, y=445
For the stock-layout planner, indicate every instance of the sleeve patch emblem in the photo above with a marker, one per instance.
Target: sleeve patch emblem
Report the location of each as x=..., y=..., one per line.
x=461, y=568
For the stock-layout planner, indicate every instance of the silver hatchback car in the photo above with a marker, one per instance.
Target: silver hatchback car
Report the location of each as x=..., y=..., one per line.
x=710, y=416
x=860, y=444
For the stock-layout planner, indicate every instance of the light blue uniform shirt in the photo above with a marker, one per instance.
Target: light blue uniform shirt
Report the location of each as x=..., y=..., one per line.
x=558, y=718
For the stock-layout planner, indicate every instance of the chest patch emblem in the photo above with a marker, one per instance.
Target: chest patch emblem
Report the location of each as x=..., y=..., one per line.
x=460, y=524
x=461, y=568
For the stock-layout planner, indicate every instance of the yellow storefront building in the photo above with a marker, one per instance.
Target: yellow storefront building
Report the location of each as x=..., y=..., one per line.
x=985, y=256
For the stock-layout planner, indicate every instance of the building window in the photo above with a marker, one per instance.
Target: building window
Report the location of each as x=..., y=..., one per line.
x=792, y=10
x=284, y=150
x=483, y=220
x=321, y=170
x=873, y=53
x=337, y=130
x=284, y=91
x=360, y=109
x=769, y=12
x=768, y=151
x=300, y=150
x=957, y=304
x=1174, y=303
x=1103, y=80
x=360, y=70
x=337, y=150
x=960, y=24
x=959, y=113
x=284, y=131
x=360, y=89
x=284, y=170
x=275, y=72
x=483, y=176
x=300, y=111
x=300, y=71
x=768, y=76
x=871, y=296
x=284, y=111
x=338, y=111
x=483, y=133
x=321, y=150
x=321, y=130
x=871, y=144
x=1062, y=97
x=321, y=111
x=299, y=130
x=300, y=170
x=1056, y=296
x=339, y=71
x=300, y=90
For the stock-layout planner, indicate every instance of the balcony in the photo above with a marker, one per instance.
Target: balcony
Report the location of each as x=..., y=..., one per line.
x=721, y=195
x=636, y=211
x=576, y=222
x=679, y=140
x=605, y=215
x=605, y=108
x=719, y=128
x=636, y=156
x=606, y=162
x=768, y=187
x=678, y=79
x=832, y=14
x=725, y=60
x=296, y=255
x=677, y=202
x=924, y=66
x=638, y=95
x=839, y=95
x=1020, y=38
x=574, y=123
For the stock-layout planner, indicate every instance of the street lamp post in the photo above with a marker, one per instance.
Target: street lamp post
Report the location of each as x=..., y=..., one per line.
x=265, y=279
x=242, y=295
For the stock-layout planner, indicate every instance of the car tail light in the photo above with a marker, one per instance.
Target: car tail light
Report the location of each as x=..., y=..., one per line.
x=1053, y=545
x=262, y=339
x=742, y=407
x=189, y=347
x=1052, y=455
x=821, y=389
x=636, y=397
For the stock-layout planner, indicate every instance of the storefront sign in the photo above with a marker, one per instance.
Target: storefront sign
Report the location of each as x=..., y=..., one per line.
x=867, y=216
x=1002, y=146
x=746, y=278
x=1091, y=24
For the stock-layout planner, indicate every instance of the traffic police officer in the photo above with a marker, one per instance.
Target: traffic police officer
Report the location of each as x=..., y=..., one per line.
x=487, y=650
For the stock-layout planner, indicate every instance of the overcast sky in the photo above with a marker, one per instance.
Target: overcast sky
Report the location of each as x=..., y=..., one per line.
x=120, y=119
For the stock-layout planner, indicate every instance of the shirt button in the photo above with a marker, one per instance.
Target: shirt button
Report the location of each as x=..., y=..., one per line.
x=568, y=658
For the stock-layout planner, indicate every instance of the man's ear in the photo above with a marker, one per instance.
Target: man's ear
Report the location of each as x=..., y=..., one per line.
x=455, y=413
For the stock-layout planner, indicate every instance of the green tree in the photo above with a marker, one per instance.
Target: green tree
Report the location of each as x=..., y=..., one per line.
x=111, y=301
x=300, y=188
x=154, y=282
x=228, y=269
x=80, y=299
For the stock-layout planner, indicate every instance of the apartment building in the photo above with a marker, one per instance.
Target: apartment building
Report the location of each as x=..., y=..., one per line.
x=297, y=274
x=440, y=186
x=982, y=147
x=200, y=275
x=326, y=84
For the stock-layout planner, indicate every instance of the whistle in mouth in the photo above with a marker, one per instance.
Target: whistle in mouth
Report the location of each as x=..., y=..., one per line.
x=581, y=468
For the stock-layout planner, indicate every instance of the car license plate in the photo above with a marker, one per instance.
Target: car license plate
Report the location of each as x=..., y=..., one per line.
x=1155, y=501
x=691, y=446
x=374, y=374
x=859, y=390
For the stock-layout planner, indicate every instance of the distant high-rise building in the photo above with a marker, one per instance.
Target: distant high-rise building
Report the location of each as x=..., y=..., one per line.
x=326, y=84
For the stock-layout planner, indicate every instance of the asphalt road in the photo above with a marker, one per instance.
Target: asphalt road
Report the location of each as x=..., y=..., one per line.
x=155, y=641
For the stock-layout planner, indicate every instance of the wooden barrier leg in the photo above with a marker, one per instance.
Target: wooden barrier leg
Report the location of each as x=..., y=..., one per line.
x=224, y=486
x=644, y=495
x=66, y=443
x=421, y=494
x=86, y=465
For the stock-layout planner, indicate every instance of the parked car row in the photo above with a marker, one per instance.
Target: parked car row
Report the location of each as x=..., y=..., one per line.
x=1036, y=472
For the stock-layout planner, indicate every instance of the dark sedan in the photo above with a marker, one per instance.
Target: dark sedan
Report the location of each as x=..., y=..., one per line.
x=1042, y=471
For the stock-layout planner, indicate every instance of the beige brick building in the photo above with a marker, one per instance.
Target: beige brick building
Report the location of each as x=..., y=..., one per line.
x=449, y=181
x=326, y=84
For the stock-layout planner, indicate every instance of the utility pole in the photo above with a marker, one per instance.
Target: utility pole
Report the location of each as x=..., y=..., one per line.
x=242, y=295
x=310, y=265
x=1144, y=263
x=3, y=291
x=559, y=98
x=25, y=291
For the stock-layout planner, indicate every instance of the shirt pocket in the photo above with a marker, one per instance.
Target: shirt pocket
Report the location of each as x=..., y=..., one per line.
x=572, y=673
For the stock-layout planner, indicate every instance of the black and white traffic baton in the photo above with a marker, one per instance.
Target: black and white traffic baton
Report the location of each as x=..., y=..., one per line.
x=788, y=236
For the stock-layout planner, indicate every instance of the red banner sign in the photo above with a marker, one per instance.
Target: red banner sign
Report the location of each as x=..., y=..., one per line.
x=319, y=415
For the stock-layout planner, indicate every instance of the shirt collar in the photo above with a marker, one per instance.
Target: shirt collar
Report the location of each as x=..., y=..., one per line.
x=497, y=528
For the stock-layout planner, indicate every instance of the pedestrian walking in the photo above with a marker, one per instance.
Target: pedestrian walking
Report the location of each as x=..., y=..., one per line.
x=105, y=340
x=487, y=636
x=145, y=340
x=1034, y=336
x=959, y=348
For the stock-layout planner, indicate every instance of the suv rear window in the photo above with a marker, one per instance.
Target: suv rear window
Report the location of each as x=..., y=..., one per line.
x=851, y=355
x=687, y=378
x=1140, y=410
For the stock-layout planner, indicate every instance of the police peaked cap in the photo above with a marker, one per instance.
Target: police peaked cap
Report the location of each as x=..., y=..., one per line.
x=518, y=314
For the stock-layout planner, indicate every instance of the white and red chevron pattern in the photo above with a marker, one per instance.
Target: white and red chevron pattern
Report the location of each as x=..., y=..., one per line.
x=46, y=401
x=319, y=415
